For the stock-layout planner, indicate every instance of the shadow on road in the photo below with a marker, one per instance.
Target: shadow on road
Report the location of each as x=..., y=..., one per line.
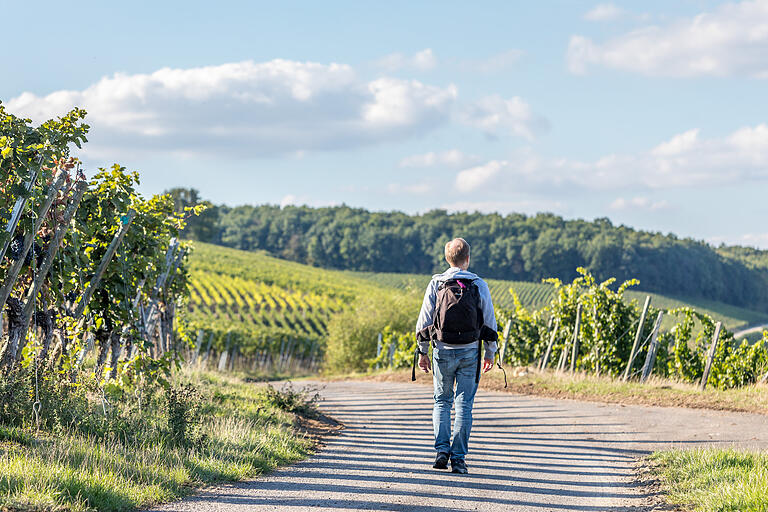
x=525, y=454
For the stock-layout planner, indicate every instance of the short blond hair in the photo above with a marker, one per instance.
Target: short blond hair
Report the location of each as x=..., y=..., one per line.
x=457, y=252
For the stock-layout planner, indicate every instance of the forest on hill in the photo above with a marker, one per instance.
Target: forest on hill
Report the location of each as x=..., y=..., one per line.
x=515, y=246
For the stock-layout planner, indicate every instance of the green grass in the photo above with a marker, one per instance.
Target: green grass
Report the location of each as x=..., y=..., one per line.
x=248, y=431
x=537, y=295
x=712, y=479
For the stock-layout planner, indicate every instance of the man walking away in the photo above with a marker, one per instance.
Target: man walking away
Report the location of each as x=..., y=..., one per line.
x=456, y=315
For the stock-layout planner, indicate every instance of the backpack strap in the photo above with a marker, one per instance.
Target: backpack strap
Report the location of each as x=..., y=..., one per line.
x=416, y=354
x=479, y=360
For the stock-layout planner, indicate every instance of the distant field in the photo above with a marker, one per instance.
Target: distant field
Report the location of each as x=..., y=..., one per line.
x=262, y=294
x=537, y=295
x=259, y=295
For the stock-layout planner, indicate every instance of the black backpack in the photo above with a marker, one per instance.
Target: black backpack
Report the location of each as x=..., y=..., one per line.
x=458, y=318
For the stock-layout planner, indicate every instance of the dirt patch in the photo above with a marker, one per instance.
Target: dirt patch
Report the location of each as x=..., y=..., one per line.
x=650, y=486
x=318, y=428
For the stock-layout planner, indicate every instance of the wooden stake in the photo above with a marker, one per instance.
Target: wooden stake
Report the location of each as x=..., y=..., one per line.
x=710, y=356
x=597, y=339
x=552, y=336
x=638, y=335
x=505, y=340
x=224, y=354
x=650, y=359
x=111, y=249
x=18, y=209
x=575, y=344
x=15, y=345
x=563, y=357
x=29, y=238
x=199, y=343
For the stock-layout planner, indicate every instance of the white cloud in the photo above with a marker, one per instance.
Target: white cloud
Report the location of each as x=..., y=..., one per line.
x=730, y=41
x=423, y=60
x=677, y=145
x=287, y=200
x=246, y=109
x=497, y=62
x=638, y=203
x=475, y=177
x=685, y=160
x=504, y=207
x=294, y=200
x=497, y=116
x=413, y=189
x=450, y=158
x=758, y=240
x=604, y=12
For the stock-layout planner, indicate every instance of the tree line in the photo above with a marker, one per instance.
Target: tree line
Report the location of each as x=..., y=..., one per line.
x=514, y=246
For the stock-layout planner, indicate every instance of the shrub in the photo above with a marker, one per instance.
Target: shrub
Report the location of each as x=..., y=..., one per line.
x=184, y=404
x=353, y=333
x=302, y=401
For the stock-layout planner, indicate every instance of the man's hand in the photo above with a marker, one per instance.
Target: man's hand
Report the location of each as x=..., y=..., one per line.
x=487, y=365
x=424, y=363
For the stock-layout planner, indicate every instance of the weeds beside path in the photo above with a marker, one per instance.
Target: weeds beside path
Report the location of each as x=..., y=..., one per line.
x=244, y=430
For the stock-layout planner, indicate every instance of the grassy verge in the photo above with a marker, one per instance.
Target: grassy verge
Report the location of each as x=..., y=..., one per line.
x=602, y=389
x=713, y=479
x=151, y=452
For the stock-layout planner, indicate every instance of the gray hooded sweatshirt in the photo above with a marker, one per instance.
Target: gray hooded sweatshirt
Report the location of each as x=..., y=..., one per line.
x=426, y=316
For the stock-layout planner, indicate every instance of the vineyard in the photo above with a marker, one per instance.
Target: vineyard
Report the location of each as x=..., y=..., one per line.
x=262, y=311
x=592, y=327
x=92, y=273
x=98, y=410
x=538, y=295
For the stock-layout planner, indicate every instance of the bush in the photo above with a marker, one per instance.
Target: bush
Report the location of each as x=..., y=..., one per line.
x=184, y=404
x=404, y=347
x=353, y=333
x=302, y=401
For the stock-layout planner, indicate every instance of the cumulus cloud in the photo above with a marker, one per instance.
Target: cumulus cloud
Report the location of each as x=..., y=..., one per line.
x=638, y=203
x=288, y=200
x=504, y=207
x=497, y=116
x=758, y=240
x=247, y=109
x=685, y=160
x=450, y=158
x=294, y=200
x=423, y=60
x=412, y=189
x=604, y=12
x=475, y=177
x=730, y=41
x=497, y=62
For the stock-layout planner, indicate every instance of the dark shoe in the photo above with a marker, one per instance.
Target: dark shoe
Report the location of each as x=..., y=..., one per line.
x=441, y=461
x=459, y=466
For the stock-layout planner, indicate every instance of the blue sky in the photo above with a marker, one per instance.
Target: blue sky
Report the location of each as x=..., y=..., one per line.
x=653, y=114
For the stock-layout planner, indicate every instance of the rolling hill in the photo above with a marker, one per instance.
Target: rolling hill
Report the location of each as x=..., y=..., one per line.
x=537, y=295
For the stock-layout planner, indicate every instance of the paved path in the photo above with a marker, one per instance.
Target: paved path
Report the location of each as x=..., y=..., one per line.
x=526, y=454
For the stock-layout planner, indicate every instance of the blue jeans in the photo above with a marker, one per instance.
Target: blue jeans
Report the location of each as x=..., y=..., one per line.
x=451, y=366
